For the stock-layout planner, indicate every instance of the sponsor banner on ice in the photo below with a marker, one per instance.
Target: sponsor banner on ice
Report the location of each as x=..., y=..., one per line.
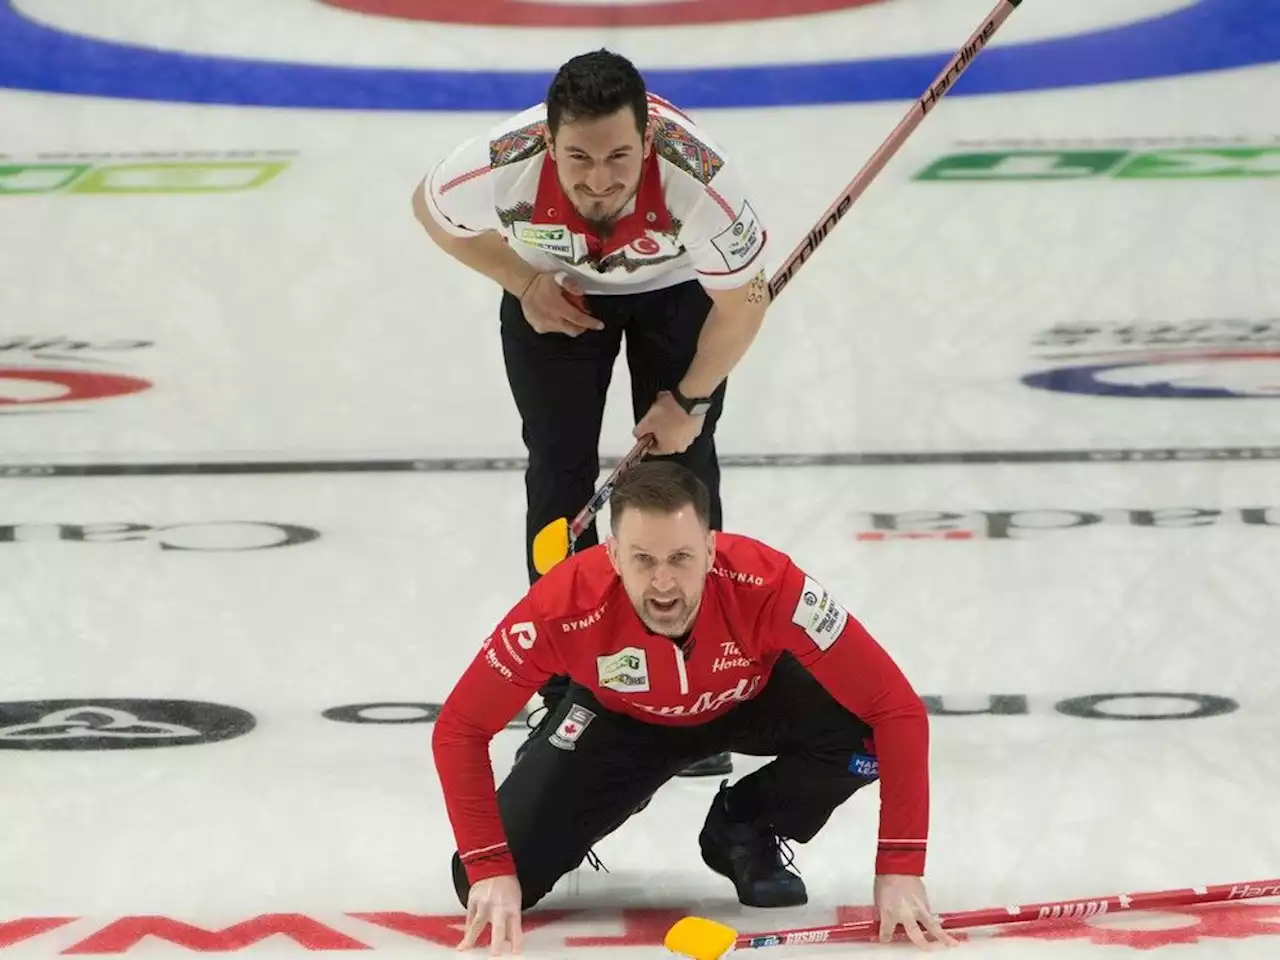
x=1222, y=358
x=583, y=930
x=1051, y=522
x=139, y=173
x=203, y=536
x=140, y=723
x=1104, y=161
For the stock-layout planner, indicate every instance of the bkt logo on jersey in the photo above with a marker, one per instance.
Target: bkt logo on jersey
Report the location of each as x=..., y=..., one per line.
x=626, y=671
x=559, y=241
x=1205, y=375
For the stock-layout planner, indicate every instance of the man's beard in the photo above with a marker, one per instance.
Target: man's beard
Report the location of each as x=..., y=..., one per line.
x=604, y=226
x=601, y=228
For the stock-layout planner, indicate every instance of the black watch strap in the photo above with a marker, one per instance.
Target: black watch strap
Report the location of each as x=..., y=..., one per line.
x=694, y=406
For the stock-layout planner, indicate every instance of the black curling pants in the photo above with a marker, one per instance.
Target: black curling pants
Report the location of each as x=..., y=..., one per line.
x=559, y=385
x=556, y=803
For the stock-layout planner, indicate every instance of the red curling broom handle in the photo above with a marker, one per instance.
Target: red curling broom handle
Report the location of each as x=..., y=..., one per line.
x=871, y=169
x=601, y=496
x=832, y=216
x=1025, y=913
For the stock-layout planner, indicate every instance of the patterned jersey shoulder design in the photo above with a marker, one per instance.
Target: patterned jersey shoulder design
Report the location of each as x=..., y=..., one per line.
x=517, y=145
x=509, y=215
x=677, y=145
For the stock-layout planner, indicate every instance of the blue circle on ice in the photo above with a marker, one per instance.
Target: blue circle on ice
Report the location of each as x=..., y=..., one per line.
x=1207, y=35
x=1209, y=375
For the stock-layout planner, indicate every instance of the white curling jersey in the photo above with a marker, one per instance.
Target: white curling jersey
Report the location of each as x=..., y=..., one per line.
x=690, y=218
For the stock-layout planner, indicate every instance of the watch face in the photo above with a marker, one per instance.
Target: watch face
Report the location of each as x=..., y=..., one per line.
x=699, y=409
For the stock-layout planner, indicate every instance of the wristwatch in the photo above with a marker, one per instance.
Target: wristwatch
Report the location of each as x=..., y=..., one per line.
x=693, y=406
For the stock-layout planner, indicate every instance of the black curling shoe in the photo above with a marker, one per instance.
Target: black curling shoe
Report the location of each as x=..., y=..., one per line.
x=751, y=855
x=716, y=765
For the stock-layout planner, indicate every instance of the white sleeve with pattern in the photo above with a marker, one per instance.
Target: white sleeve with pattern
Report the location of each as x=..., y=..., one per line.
x=724, y=237
x=460, y=190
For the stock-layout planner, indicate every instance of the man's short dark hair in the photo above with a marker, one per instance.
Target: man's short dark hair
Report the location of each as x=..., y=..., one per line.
x=595, y=85
x=659, y=486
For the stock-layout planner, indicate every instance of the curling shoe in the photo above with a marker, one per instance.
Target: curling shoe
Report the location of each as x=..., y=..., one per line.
x=750, y=854
x=716, y=765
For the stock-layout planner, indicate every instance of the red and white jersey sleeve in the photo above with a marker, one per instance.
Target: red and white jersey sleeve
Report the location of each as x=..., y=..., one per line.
x=459, y=190
x=513, y=662
x=722, y=235
x=860, y=674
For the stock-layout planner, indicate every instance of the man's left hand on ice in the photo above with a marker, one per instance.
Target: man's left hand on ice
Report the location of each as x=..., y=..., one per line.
x=901, y=901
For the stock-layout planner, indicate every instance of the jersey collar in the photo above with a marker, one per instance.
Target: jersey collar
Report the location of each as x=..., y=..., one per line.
x=649, y=212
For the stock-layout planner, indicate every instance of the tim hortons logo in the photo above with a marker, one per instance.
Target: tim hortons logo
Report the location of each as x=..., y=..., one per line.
x=732, y=659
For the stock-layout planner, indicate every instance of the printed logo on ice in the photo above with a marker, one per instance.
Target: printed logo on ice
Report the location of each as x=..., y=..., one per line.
x=1032, y=524
x=37, y=373
x=140, y=173
x=210, y=536
x=1061, y=163
x=1220, y=359
x=626, y=671
x=117, y=724
x=253, y=932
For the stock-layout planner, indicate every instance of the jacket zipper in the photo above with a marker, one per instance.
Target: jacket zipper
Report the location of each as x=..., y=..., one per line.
x=684, y=677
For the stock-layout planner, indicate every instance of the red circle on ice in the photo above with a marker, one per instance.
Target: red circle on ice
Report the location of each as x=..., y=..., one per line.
x=534, y=13
x=77, y=385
